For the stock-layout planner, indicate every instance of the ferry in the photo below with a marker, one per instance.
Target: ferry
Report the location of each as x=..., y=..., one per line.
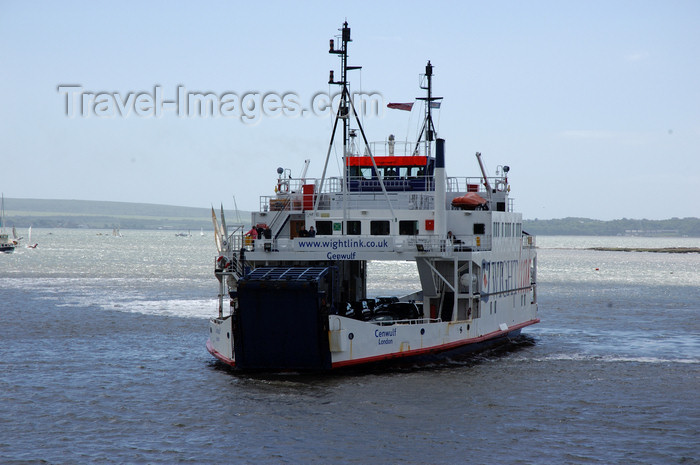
x=293, y=290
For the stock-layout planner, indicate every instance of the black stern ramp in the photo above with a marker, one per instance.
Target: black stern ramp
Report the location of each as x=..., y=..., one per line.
x=282, y=320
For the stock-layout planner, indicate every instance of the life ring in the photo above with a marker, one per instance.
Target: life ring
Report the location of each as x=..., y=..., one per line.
x=282, y=187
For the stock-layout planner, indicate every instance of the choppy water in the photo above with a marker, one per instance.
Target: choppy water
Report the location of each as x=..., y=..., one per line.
x=102, y=360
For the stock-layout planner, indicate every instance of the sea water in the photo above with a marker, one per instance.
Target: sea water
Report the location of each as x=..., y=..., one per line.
x=102, y=360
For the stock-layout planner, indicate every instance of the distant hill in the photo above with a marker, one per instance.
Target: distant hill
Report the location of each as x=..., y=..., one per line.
x=674, y=227
x=23, y=213
x=39, y=213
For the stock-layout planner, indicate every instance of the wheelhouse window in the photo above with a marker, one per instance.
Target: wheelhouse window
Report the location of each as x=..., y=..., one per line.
x=415, y=171
x=390, y=172
x=389, y=166
x=379, y=228
x=360, y=172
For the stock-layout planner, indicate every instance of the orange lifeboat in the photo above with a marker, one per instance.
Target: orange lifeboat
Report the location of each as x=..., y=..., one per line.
x=469, y=201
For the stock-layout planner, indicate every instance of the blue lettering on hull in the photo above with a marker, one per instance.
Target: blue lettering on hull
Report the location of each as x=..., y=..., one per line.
x=383, y=336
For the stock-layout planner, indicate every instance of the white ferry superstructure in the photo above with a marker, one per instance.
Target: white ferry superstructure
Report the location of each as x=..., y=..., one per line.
x=291, y=300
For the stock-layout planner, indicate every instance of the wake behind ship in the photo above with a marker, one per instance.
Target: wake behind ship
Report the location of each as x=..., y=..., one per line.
x=293, y=289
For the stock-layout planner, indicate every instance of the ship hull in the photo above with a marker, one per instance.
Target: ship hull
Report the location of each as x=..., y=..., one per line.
x=404, y=348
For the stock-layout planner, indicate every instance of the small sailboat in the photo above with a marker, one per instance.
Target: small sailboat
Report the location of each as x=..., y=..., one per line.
x=7, y=245
x=30, y=245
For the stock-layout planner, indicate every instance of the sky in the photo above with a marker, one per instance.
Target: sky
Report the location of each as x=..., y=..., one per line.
x=594, y=105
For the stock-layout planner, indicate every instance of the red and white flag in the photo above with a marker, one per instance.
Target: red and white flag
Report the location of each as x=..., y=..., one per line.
x=401, y=106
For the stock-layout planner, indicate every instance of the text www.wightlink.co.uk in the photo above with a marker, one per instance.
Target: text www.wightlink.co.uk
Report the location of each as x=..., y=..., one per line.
x=343, y=249
x=347, y=244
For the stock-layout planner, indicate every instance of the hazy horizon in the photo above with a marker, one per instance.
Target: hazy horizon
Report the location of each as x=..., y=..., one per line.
x=594, y=106
x=231, y=210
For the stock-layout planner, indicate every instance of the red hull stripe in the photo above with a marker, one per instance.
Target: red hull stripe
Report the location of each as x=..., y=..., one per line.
x=221, y=357
x=435, y=349
x=408, y=353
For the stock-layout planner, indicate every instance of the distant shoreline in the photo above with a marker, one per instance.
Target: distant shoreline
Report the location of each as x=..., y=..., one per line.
x=674, y=227
x=648, y=249
x=88, y=214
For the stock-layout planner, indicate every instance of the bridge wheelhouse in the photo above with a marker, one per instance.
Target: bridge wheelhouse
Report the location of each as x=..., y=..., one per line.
x=399, y=173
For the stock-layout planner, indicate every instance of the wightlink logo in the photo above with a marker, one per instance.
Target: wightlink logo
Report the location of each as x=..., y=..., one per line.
x=343, y=249
x=248, y=107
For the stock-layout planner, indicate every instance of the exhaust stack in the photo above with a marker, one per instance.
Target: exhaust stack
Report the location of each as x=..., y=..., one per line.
x=440, y=189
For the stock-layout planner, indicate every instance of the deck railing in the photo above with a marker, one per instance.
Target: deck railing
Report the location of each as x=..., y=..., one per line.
x=432, y=243
x=298, y=194
x=397, y=147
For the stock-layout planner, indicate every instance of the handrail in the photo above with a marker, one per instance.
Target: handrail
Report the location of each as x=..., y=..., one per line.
x=285, y=207
x=412, y=321
x=433, y=243
x=334, y=185
x=396, y=147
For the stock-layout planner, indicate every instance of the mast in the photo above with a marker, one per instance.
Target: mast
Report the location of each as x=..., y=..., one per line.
x=2, y=213
x=344, y=113
x=344, y=68
x=429, y=108
x=344, y=98
x=428, y=125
